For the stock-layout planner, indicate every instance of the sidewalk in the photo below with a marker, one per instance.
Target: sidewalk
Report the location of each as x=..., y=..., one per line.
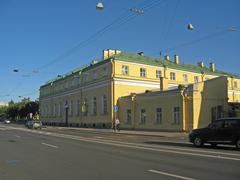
x=129, y=132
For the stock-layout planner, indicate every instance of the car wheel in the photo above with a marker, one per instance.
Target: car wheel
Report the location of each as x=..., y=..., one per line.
x=197, y=142
x=238, y=144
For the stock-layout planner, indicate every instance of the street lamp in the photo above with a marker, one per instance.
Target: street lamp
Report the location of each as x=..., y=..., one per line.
x=66, y=118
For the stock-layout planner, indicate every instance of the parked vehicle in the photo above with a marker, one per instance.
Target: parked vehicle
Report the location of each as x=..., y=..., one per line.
x=221, y=131
x=34, y=124
x=7, y=121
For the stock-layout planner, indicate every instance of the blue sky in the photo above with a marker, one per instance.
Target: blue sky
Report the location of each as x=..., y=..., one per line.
x=36, y=32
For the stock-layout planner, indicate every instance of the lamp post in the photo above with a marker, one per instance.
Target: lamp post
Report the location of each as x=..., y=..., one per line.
x=66, y=117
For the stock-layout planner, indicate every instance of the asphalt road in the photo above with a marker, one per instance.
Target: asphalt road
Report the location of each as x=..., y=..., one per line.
x=62, y=154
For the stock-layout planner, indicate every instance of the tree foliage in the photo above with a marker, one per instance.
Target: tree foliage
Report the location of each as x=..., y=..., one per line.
x=20, y=110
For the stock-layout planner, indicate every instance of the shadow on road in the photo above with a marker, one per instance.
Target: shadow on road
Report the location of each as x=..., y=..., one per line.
x=185, y=144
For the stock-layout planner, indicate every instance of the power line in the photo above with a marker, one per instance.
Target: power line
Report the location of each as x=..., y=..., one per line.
x=124, y=18
x=209, y=36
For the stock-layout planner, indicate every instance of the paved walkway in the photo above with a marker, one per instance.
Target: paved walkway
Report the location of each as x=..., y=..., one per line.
x=130, y=132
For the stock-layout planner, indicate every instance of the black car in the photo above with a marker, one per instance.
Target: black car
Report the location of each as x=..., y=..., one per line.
x=221, y=131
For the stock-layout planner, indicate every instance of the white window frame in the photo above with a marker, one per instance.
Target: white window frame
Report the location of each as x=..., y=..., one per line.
x=143, y=116
x=172, y=76
x=125, y=70
x=158, y=74
x=85, y=107
x=104, y=104
x=94, y=75
x=143, y=72
x=235, y=84
x=185, y=77
x=85, y=77
x=158, y=115
x=105, y=71
x=176, y=115
x=196, y=79
x=128, y=116
x=94, y=106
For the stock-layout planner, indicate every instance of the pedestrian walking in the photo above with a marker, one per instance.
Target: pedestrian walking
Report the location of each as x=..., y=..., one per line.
x=117, y=124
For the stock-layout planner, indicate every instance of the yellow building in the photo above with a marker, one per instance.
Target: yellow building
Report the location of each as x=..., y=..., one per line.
x=121, y=83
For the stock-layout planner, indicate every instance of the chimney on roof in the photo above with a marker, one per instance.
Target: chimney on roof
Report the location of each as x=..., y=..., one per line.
x=176, y=59
x=109, y=52
x=141, y=53
x=167, y=57
x=212, y=67
x=201, y=64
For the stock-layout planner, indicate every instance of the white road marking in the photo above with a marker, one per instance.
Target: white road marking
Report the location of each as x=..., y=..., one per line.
x=182, y=151
x=137, y=146
x=50, y=145
x=169, y=174
x=17, y=136
x=107, y=138
x=99, y=137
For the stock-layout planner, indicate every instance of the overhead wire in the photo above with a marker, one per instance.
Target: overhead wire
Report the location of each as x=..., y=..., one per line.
x=124, y=18
x=209, y=36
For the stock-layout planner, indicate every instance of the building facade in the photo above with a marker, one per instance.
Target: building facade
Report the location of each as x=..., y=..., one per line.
x=93, y=96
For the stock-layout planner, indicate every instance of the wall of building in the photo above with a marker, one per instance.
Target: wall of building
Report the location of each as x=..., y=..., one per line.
x=106, y=78
x=207, y=95
x=73, y=92
x=164, y=100
x=233, y=90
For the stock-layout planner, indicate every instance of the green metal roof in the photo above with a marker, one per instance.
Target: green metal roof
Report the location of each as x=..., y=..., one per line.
x=135, y=58
x=129, y=57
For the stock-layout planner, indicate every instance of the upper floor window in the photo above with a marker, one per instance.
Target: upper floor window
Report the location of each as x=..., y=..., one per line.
x=185, y=78
x=172, y=76
x=235, y=84
x=85, y=77
x=158, y=74
x=94, y=75
x=196, y=79
x=176, y=115
x=143, y=72
x=105, y=72
x=125, y=70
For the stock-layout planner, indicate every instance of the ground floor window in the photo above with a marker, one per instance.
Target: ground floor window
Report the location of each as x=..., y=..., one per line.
x=176, y=115
x=94, y=106
x=78, y=107
x=143, y=116
x=104, y=104
x=129, y=116
x=85, y=107
x=159, y=115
